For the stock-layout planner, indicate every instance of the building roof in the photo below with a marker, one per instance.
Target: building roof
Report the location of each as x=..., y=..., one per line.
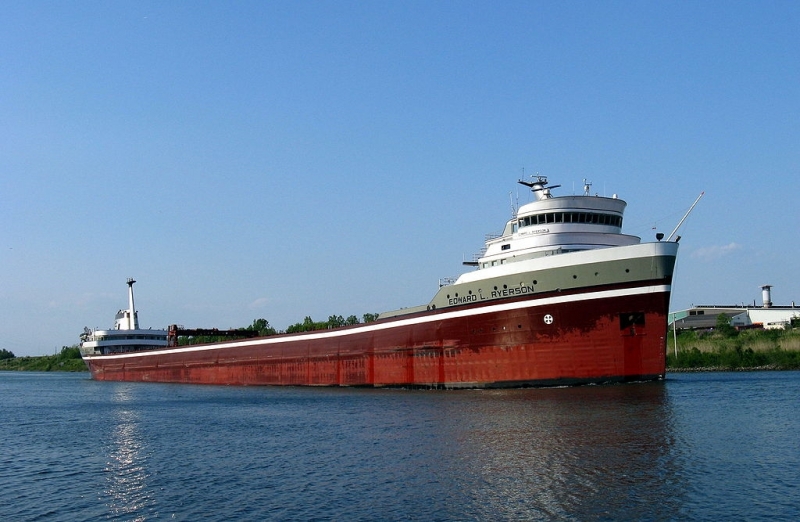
x=705, y=316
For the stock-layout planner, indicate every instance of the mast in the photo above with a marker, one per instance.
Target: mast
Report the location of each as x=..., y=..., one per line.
x=133, y=321
x=686, y=215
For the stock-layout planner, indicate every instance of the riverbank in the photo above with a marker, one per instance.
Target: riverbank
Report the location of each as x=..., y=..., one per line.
x=69, y=360
x=703, y=369
x=729, y=350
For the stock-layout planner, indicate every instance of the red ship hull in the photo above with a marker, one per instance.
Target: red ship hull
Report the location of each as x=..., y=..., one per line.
x=609, y=334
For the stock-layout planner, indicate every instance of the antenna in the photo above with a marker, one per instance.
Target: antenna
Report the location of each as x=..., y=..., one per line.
x=513, y=207
x=686, y=215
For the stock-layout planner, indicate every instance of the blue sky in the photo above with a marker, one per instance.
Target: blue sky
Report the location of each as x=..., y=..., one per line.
x=283, y=159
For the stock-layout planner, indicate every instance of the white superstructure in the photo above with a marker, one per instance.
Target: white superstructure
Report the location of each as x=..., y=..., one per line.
x=556, y=244
x=125, y=336
x=550, y=226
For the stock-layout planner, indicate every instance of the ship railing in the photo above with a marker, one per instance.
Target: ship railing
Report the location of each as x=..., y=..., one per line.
x=475, y=258
x=446, y=281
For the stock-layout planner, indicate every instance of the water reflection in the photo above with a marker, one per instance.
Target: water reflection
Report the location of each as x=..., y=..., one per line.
x=126, y=489
x=580, y=453
x=587, y=453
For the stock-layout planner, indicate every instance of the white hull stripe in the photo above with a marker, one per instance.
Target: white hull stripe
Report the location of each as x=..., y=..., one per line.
x=501, y=307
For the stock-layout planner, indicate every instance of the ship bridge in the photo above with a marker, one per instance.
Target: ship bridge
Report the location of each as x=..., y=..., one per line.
x=553, y=225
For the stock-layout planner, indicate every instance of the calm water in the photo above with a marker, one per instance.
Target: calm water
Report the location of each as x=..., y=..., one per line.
x=696, y=447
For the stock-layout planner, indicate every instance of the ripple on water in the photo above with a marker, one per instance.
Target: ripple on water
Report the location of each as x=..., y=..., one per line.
x=693, y=447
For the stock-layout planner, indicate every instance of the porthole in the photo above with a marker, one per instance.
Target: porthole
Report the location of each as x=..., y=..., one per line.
x=574, y=277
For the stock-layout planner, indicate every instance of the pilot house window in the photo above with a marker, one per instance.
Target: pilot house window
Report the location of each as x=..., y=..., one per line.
x=571, y=217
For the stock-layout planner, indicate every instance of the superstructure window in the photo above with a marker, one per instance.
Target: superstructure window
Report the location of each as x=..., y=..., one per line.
x=594, y=218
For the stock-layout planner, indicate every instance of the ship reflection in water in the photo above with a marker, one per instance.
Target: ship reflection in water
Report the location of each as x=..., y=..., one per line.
x=126, y=491
x=582, y=453
x=718, y=446
x=592, y=452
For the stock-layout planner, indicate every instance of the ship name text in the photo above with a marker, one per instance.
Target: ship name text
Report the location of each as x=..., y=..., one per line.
x=462, y=299
x=535, y=231
x=495, y=294
x=511, y=292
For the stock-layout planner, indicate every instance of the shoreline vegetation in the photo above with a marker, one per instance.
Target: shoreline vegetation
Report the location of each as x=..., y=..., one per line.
x=722, y=348
x=68, y=360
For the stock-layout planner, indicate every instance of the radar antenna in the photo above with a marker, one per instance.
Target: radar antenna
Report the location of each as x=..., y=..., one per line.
x=539, y=185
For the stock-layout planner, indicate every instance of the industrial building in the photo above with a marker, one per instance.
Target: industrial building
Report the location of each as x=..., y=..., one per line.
x=766, y=316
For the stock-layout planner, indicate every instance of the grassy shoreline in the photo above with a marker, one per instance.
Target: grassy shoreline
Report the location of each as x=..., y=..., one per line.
x=44, y=363
x=728, y=350
x=704, y=369
x=69, y=360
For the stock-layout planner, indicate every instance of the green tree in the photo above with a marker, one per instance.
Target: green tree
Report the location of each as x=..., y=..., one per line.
x=724, y=327
x=294, y=328
x=307, y=325
x=335, y=321
x=263, y=327
x=69, y=352
x=5, y=354
x=368, y=318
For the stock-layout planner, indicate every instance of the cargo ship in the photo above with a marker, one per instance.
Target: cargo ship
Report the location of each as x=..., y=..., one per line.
x=560, y=297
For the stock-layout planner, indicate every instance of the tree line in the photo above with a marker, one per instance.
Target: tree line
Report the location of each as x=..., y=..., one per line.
x=259, y=328
x=69, y=360
x=262, y=328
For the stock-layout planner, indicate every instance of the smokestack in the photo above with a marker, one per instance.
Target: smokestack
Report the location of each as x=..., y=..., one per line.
x=766, y=295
